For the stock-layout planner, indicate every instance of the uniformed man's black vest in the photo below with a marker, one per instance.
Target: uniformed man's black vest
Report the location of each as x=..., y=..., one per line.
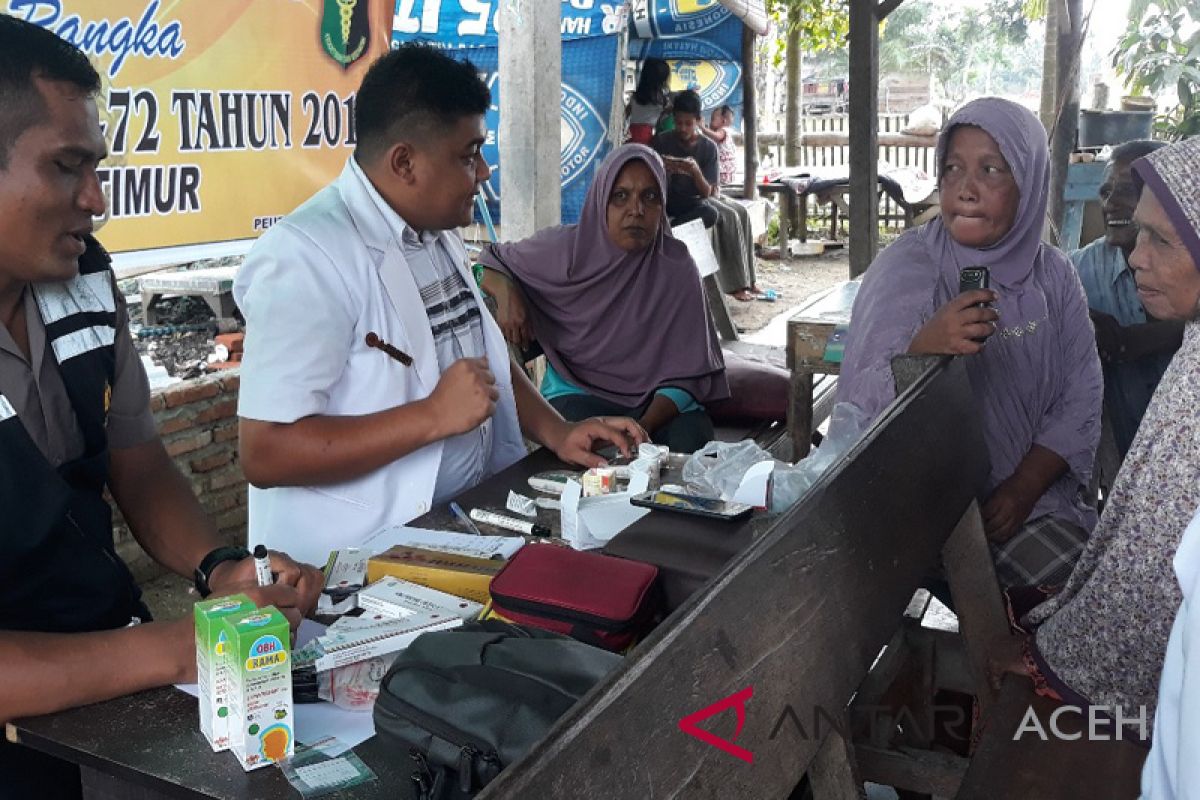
x=59, y=570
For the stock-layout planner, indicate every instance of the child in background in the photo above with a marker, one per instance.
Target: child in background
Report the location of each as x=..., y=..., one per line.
x=721, y=132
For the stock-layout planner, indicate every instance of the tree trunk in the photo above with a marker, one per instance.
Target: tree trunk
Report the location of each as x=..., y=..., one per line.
x=749, y=116
x=1050, y=64
x=793, y=104
x=1066, y=122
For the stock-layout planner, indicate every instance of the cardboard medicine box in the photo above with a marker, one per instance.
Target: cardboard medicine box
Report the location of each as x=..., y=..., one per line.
x=258, y=661
x=212, y=681
x=462, y=576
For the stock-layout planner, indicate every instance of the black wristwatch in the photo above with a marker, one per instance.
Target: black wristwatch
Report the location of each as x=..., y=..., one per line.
x=210, y=562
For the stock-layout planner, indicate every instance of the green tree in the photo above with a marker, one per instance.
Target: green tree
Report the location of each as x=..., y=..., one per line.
x=962, y=49
x=1161, y=51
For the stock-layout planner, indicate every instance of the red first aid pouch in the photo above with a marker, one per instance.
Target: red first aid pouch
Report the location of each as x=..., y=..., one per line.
x=604, y=601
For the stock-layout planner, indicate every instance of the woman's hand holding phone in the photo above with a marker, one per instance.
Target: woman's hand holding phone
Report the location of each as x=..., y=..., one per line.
x=958, y=328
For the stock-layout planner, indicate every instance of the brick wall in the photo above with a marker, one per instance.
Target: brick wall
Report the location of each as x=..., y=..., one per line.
x=197, y=420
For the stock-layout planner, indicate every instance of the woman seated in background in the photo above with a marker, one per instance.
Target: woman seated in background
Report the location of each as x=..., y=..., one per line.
x=1029, y=347
x=651, y=100
x=694, y=193
x=617, y=305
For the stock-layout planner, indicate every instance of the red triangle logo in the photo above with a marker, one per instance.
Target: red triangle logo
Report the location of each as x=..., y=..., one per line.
x=737, y=700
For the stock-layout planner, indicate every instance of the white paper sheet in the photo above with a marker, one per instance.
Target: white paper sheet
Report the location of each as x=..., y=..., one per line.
x=467, y=544
x=590, y=522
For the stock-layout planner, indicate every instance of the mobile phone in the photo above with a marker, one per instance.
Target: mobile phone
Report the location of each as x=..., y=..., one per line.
x=971, y=278
x=691, y=504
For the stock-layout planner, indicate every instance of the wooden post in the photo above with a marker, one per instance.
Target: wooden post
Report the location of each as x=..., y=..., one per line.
x=529, y=136
x=864, y=143
x=749, y=115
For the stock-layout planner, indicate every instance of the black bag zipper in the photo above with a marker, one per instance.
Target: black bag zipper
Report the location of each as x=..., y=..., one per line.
x=549, y=612
x=469, y=747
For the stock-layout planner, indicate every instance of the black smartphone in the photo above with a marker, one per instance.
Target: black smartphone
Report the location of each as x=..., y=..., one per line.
x=971, y=278
x=691, y=504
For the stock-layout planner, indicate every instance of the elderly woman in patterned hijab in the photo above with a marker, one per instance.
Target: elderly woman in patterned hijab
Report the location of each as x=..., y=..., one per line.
x=1102, y=639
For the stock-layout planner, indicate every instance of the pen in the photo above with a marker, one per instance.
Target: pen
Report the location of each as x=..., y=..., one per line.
x=262, y=566
x=457, y=511
x=373, y=340
x=509, y=523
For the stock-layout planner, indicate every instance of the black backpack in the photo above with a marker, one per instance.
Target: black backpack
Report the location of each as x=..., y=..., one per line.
x=472, y=700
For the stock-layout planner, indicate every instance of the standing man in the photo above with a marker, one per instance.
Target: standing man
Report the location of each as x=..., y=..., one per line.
x=374, y=384
x=1135, y=348
x=75, y=420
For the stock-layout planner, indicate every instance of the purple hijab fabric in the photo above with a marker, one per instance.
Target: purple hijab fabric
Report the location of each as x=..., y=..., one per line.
x=618, y=325
x=1038, y=380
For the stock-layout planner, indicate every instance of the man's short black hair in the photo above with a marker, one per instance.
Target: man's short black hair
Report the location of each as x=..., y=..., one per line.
x=686, y=102
x=412, y=92
x=29, y=51
x=1132, y=151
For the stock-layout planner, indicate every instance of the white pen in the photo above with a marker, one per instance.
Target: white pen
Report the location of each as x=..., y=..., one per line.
x=509, y=523
x=262, y=566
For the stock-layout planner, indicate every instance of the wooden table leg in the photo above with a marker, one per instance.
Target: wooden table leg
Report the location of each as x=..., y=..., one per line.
x=719, y=310
x=787, y=200
x=802, y=214
x=800, y=413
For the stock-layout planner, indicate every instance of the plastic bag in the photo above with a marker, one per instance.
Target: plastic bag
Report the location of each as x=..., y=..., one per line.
x=791, y=482
x=354, y=686
x=716, y=470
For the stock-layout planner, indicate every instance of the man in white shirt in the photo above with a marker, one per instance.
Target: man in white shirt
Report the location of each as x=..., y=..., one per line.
x=1171, y=771
x=374, y=383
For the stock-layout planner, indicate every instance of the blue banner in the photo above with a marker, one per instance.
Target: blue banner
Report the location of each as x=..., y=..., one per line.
x=700, y=39
x=589, y=70
x=472, y=23
x=678, y=19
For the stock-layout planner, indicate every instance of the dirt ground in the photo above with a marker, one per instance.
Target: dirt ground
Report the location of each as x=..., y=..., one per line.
x=794, y=281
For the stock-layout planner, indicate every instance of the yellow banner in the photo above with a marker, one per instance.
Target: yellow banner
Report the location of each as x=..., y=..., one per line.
x=221, y=116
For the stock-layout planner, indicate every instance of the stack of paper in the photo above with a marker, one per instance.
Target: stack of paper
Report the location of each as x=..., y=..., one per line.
x=401, y=599
x=463, y=544
x=350, y=640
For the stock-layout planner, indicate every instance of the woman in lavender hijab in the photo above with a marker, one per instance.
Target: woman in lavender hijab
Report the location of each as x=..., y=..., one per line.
x=1027, y=341
x=616, y=303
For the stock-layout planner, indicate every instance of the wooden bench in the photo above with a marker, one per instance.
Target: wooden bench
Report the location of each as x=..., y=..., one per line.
x=1010, y=762
x=786, y=631
x=214, y=286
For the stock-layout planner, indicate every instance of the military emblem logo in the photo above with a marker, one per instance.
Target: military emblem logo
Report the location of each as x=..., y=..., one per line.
x=346, y=30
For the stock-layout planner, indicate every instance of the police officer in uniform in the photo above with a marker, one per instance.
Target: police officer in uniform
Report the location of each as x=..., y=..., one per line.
x=75, y=420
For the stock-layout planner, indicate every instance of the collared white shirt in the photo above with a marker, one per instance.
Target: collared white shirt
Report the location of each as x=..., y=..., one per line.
x=455, y=320
x=311, y=290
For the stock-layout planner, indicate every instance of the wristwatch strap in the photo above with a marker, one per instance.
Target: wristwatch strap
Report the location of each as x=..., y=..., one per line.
x=218, y=556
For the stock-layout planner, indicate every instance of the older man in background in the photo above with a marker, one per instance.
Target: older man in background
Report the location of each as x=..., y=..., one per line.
x=1135, y=347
